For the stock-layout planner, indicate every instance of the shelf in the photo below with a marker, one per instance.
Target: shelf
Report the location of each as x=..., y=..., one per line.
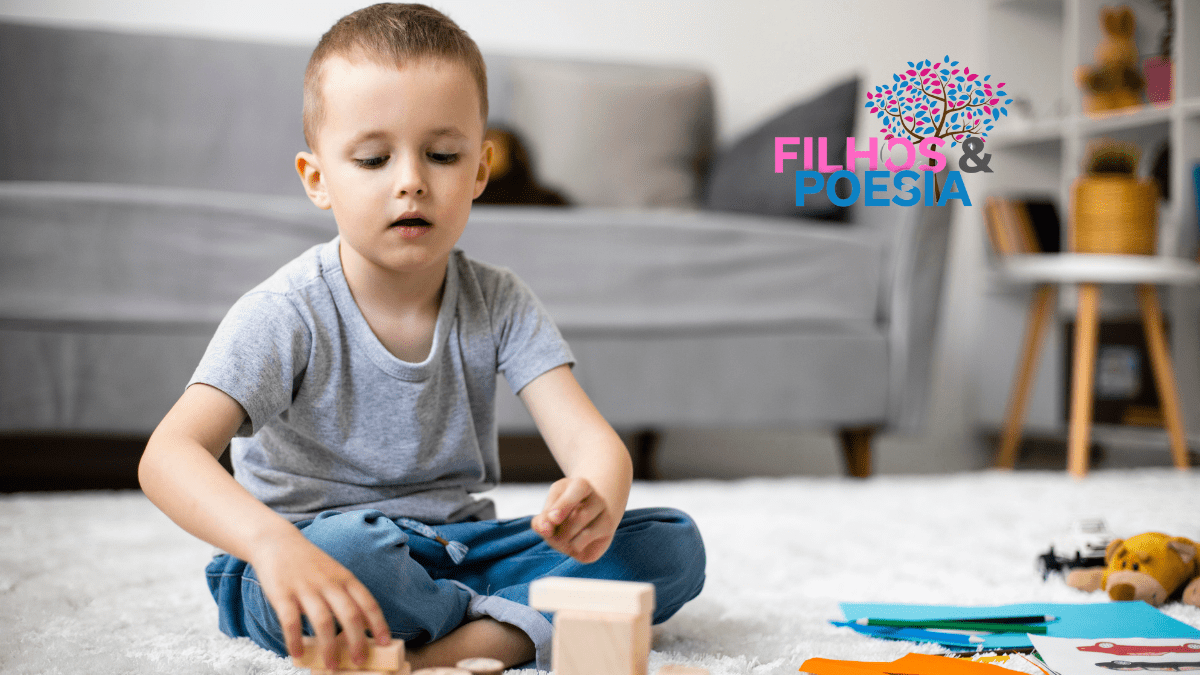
x=1129, y=118
x=1097, y=268
x=1018, y=133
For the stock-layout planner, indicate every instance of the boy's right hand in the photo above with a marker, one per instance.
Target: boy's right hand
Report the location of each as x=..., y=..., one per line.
x=300, y=579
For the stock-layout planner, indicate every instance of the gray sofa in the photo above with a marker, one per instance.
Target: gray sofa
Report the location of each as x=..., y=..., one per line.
x=148, y=182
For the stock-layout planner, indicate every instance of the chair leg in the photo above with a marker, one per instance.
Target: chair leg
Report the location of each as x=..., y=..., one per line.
x=856, y=449
x=1086, y=326
x=1041, y=312
x=1164, y=375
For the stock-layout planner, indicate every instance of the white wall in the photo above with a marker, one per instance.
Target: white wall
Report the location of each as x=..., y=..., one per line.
x=762, y=55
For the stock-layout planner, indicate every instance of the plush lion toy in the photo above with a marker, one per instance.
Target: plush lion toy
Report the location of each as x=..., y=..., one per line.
x=1149, y=567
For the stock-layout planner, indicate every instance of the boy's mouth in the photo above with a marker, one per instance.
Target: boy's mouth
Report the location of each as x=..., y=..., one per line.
x=411, y=222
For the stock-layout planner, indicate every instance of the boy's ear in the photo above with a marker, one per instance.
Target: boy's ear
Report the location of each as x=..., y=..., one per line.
x=310, y=175
x=485, y=167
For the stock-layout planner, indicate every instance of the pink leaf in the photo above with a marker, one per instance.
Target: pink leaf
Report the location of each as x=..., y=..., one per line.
x=987, y=109
x=1000, y=86
x=926, y=70
x=971, y=77
x=874, y=110
x=994, y=101
x=911, y=72
x=954, y=72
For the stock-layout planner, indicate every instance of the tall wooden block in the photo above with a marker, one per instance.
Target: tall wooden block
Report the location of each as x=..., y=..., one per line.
x=598, y=643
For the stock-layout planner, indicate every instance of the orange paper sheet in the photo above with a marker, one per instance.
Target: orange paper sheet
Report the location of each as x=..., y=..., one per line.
x=911, y=664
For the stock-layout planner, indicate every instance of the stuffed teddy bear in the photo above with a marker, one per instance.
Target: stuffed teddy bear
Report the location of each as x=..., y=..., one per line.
x=1116, y=80
x=1150, y=567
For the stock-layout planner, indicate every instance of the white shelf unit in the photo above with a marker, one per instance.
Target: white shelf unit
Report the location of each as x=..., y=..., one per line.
x=1035, y=46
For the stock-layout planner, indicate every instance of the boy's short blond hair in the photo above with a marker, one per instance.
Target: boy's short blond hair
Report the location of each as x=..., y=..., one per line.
x=390, y=33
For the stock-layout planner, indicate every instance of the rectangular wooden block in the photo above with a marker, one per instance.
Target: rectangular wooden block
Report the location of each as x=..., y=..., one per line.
x=597, y=643
x=389, y=659
x=676, y=669
x=591, y=595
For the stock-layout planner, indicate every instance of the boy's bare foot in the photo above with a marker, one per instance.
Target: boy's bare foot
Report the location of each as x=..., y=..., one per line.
x=482, y=637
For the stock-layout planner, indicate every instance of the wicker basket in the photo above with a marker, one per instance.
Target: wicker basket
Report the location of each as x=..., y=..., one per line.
x=1115, y=214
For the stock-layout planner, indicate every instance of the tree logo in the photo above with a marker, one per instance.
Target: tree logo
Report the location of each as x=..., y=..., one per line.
x=938, y=100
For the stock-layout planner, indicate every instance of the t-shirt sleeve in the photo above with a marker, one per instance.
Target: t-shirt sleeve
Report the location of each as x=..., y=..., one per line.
x=257, y=356
x=528, y=343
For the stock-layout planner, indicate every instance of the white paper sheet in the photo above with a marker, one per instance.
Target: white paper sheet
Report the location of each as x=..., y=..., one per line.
x=1070, y=656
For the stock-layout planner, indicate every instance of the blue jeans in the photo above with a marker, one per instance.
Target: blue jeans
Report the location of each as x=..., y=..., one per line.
x=424, y=595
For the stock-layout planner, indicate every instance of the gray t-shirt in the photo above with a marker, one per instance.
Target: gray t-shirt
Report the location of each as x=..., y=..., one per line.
x=335, y=421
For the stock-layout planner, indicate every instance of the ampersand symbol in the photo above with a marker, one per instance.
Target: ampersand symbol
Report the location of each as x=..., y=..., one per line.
x=971, y=148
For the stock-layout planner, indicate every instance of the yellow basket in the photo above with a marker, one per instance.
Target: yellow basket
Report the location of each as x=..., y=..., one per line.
x=1115, y=214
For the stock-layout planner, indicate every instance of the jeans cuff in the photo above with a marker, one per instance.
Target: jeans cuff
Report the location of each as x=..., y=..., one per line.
x=524, y=617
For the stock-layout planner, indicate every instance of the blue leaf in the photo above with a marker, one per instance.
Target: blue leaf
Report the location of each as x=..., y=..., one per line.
x=928, y=63
x=953, y=143
x=895, y=77
x=960, y=78
x=911, y=64
x=944, y=71
x=995, y=113
x=954, y=64
x=1008, y=102
x=1004, y=111
x=1000, y=93
x=954, y=117
x=878, y=88
x=947, y=59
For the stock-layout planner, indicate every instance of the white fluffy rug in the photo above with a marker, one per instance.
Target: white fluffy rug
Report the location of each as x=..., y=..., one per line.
x=103, y=583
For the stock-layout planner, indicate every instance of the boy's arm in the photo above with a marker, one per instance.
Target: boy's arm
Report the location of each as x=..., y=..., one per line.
x=582, y=510
x=180, y=473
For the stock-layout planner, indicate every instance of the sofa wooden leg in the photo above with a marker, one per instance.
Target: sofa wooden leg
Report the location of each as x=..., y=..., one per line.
x=856, y=448
x=642, y=447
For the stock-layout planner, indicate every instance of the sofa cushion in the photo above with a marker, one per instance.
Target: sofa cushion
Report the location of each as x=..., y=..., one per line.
x=608, y=134
x=743, y=177
x=665, y=271
x=89, y=105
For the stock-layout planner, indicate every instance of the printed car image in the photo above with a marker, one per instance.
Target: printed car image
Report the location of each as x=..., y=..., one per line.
x=1142, y=650
x=1162, y=666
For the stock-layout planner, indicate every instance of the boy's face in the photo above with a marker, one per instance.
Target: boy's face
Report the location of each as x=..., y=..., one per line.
x=399, y=157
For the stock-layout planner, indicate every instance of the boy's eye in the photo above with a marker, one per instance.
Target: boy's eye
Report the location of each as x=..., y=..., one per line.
x=372, y=162
x=443, y=157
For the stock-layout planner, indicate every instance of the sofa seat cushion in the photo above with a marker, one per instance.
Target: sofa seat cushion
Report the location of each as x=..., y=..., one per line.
x=613, y=270
x=142, y=256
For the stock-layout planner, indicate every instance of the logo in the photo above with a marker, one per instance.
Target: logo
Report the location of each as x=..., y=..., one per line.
x=923, y=108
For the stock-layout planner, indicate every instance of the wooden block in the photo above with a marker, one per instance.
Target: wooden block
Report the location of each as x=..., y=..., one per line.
x=676, y=669
x=386, y=659
x=481, y=666
x=591, y=595
x=597, y=643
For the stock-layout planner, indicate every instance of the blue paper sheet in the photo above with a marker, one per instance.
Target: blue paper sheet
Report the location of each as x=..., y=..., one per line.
x=1100, y=620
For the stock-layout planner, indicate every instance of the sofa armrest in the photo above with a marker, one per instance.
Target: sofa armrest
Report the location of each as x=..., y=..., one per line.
x=910, y=305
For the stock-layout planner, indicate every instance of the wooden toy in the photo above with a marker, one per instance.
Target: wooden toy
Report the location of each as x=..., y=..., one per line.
x=600, y=627
x=676, y=669
x=387, y=660
x=481, y=666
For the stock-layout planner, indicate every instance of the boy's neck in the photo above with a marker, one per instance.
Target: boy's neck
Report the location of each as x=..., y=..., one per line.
x=376, y=289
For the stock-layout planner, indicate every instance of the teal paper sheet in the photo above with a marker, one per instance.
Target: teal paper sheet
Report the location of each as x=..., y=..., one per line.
x=1100, y=620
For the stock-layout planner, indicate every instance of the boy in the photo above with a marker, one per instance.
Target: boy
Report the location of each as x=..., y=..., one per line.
x=359, y=381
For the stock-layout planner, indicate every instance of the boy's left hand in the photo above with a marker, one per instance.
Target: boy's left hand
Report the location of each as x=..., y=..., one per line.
x=576, y=520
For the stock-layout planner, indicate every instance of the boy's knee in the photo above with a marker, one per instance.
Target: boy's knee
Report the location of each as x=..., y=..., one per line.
x=355, y=538
x=672, y=556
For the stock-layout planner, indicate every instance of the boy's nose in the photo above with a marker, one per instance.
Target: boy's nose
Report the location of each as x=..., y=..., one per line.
x=411, y=180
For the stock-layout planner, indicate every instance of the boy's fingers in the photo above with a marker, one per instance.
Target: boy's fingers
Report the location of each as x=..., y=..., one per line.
x=353, y=627
x=374, y=615
x=289, y=621
x=323, y=627
x=580, y=518
x=574, y=492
